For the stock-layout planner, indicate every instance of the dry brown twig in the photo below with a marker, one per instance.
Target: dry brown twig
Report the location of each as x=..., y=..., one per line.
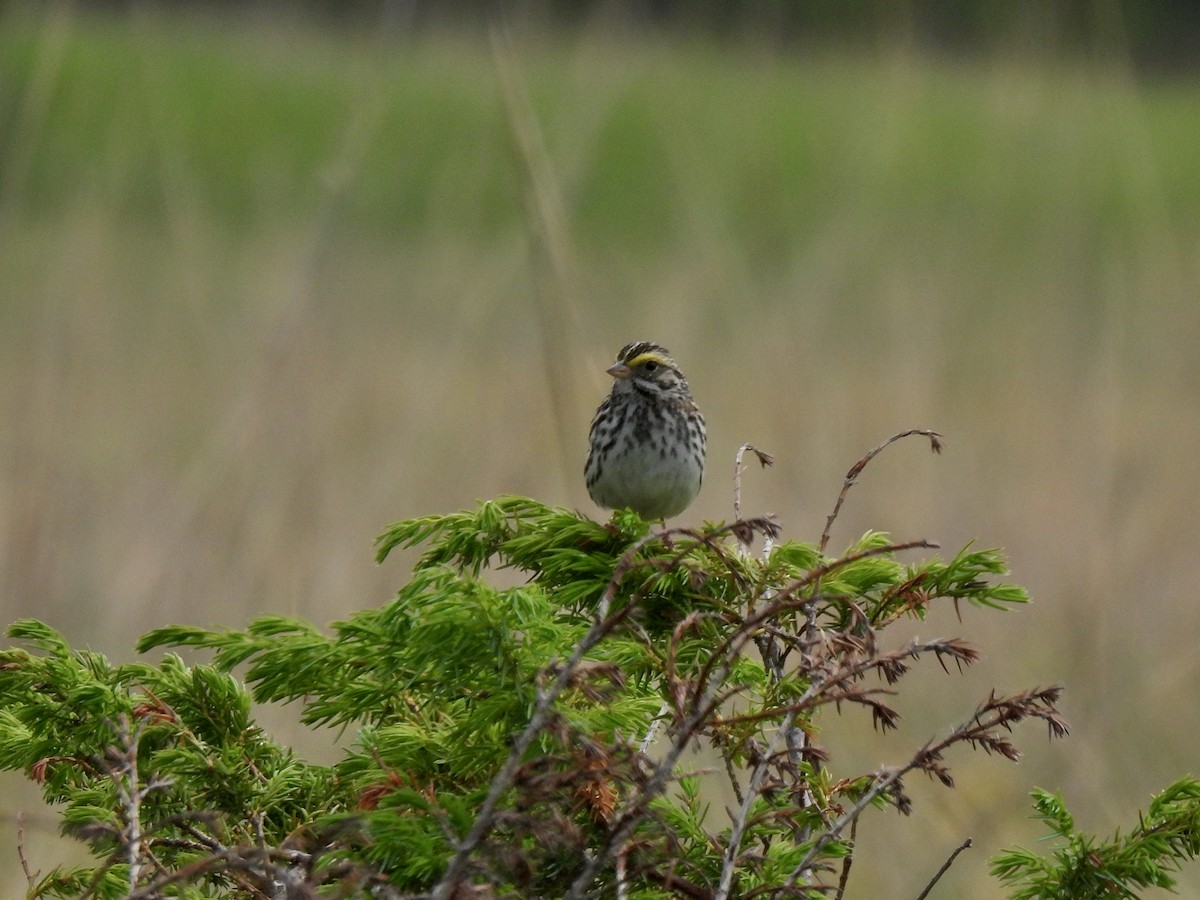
x=935, y=442
x=30, y=877
x=764, y=459
x=944, y=869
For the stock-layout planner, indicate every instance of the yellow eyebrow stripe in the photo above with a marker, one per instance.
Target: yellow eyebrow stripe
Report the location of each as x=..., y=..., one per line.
x=643, y=358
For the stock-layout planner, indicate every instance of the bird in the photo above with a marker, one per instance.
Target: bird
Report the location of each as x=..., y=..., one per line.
x=647, y=440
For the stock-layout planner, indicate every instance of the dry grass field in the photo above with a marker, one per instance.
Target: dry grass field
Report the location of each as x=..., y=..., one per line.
x=265, y=288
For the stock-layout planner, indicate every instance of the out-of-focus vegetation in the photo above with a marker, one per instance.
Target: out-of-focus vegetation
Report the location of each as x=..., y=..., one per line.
x=265, y=286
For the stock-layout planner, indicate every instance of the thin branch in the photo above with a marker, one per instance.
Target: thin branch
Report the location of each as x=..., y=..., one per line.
x=652, y=731
x=810, y=625
x=821, y=698
x=257, y=862
x=210, y=842
x=734, y=781
x=847, y=863
x=622, y=876
x=935, y=441
x=764, y=459
x=29, y=876
x=944, y=869
x=734, y=847
x=883, y=781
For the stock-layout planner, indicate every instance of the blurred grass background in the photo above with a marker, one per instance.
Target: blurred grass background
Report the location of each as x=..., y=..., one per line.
x=267, y=285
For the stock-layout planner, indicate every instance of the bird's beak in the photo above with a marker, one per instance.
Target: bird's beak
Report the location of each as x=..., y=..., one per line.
x=619, y=370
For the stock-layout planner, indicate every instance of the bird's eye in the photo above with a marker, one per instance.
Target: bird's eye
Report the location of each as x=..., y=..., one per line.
x=651, y=366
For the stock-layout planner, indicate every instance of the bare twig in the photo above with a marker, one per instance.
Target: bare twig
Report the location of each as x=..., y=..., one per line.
x=207, y=840
x=260, y=864
x=734, y=781
x=764, y=459
x=847, y=483
x=935, y=441
x=622, y=879
x=944, y=869
x=883, y=782
x=29, y=876
x=648, y=738
x=847, y=863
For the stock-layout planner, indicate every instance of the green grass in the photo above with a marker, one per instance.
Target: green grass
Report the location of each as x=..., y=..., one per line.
x=774, y=146
x=264, y=288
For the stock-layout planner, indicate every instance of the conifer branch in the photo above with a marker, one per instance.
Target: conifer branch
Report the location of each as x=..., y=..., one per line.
x=523, y=741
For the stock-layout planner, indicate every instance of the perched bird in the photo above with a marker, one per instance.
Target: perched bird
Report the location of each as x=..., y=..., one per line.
x=647, y=438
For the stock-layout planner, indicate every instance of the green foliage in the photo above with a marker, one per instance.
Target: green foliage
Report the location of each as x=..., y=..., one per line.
x=1083, y=867
x=502, y=736
x=66, y=724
